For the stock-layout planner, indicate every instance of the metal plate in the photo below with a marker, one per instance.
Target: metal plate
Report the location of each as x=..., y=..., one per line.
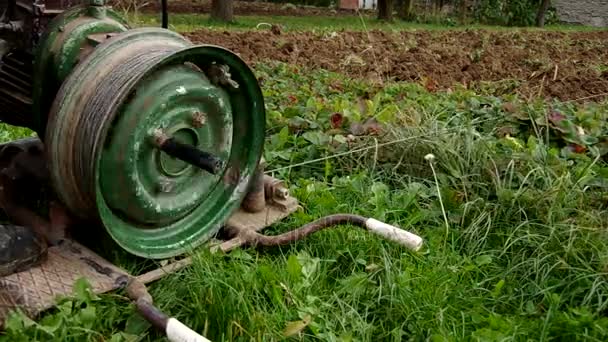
x=279, y=210
x=36, y=289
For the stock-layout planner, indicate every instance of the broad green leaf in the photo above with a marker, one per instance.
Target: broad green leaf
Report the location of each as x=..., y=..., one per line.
x=293, y=267
x=483, y=260
x=294, y=328
x=88, y=315
x=498, y=288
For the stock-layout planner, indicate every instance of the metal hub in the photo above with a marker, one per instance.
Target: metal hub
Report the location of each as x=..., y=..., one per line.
x=170, y=166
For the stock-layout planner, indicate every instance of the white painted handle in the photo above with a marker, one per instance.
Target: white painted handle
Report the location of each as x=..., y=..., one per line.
x=178, y=332
x=395, y=234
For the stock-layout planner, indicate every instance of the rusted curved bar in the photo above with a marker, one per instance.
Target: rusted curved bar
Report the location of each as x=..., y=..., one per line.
x=387, y=231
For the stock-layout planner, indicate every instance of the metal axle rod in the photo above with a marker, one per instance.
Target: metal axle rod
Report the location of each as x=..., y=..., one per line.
x=188, y=153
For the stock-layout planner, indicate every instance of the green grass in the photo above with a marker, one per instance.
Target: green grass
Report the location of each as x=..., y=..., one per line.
x=522, y=256
x=192, y=22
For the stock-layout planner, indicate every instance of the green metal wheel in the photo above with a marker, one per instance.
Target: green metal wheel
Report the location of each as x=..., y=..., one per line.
x=103, y=157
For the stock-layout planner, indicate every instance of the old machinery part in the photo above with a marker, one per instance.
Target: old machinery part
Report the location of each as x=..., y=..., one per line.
x=23, y=24
x=188, y=153
x=97, y=93
x=255, y=200
x=68, y=39
x=175, y=330
x=164, y=14
x=389, y=232
x=16, y=88
x=101, y=139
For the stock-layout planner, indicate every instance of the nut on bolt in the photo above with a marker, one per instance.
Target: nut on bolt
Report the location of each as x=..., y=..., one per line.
x=275, y=188
x=165, y=185
x=198, y=119
x=159, y=137
x=220, y=75
x=281, y=192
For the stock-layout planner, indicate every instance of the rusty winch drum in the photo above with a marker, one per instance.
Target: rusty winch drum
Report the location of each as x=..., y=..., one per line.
x=154, y=137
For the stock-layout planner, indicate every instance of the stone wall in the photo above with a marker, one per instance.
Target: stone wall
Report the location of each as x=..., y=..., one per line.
x=584, y=12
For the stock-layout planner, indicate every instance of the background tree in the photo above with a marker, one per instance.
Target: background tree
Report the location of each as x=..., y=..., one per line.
x=463, y=11
x=385, y=10
x=404, y=9
x=222, y=10
x=542, y=10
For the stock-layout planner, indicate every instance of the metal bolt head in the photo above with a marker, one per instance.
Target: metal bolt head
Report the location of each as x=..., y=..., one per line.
x=159, y=137
x=220, y=75
x=165, y=186
x=198, y=119
x=281, y=193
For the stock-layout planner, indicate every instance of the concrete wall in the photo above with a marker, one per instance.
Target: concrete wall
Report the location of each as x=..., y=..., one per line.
x=585, y=12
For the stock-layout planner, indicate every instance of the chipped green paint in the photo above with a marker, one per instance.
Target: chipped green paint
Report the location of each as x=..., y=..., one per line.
x=60, y=49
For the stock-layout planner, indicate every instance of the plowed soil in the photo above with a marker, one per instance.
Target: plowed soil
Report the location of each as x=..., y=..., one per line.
x=567, y=66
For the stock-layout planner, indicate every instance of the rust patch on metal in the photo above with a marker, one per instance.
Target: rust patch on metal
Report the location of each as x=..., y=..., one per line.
x=232, y=176
x=255, y=200
x=198, y=119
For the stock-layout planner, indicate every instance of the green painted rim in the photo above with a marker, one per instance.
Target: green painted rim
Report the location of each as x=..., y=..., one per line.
x=167, y=238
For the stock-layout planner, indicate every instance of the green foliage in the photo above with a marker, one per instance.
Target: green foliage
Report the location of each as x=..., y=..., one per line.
x=83, y=317
x=510, y=12
x=362, y=22
x=523, y=185
x=8, y=133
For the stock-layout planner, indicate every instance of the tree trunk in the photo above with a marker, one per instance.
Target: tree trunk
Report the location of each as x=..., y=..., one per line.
x=540, y=17
x=463, y=11
x=385, y=10
x=404, y=9
x=222, y=10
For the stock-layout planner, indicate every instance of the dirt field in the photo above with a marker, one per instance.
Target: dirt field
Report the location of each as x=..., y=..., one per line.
x=567, y=66
x=242, y=8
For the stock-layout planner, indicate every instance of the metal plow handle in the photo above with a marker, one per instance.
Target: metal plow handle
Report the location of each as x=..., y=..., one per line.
x=178, y=332
x=409, y=240
x=175, y=330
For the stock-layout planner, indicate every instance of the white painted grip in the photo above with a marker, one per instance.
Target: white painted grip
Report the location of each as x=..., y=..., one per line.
x=395, y=234
x=177, y=332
